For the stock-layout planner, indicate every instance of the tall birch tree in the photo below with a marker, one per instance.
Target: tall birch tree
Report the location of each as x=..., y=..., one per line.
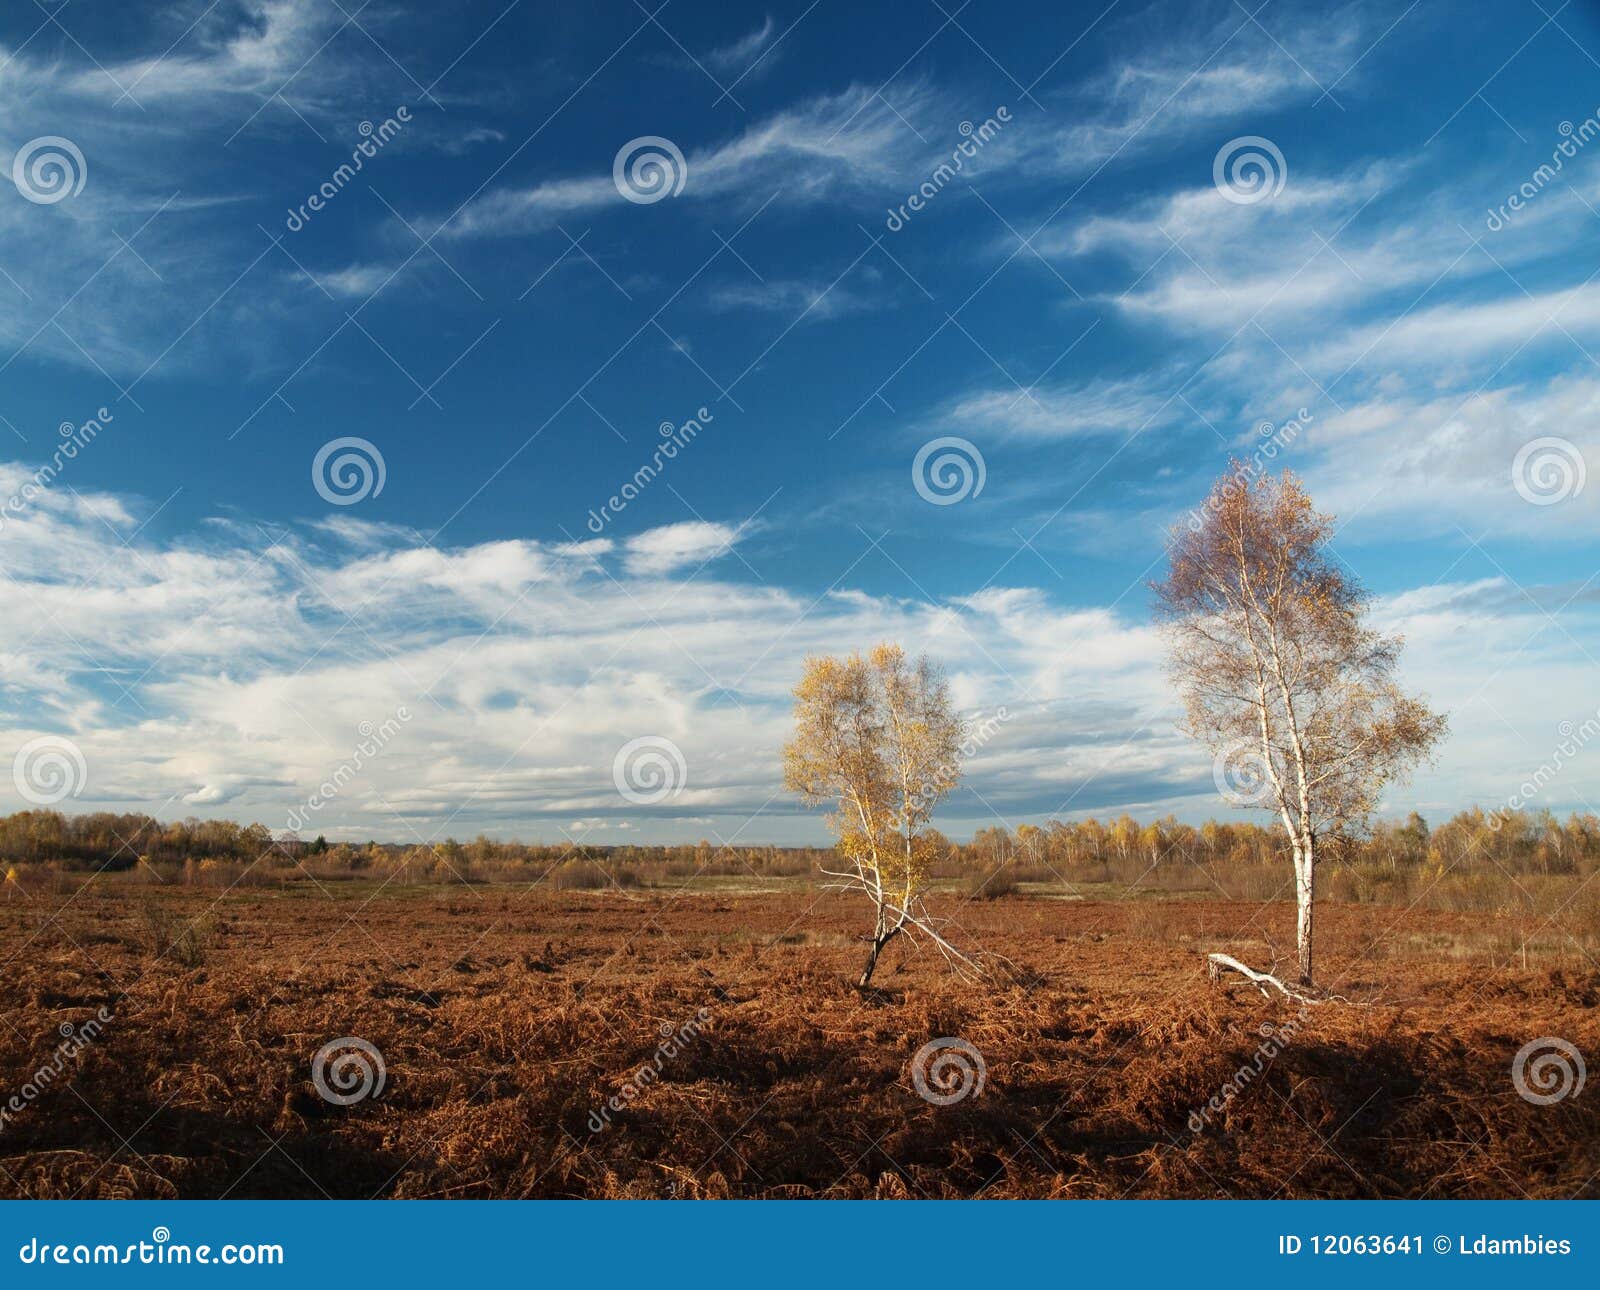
x=1281, y=674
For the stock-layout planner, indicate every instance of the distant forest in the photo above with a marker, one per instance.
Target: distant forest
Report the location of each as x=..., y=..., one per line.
x=1510, y=861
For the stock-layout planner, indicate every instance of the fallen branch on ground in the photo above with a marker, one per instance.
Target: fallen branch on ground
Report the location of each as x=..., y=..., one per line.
x=1216, y=964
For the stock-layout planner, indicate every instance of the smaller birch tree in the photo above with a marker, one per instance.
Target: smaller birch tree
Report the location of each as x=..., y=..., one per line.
x=876, y=739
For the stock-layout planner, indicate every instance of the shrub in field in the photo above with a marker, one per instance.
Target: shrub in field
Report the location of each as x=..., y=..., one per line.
x=991, y=886
x=214, y=872
x=1370, y=882
x=587, y=875
x=173, y=935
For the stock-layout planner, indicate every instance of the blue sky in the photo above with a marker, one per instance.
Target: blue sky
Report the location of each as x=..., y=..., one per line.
x=1097, y=302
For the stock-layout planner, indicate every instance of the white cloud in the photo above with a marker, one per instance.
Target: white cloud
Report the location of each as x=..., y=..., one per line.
x=355, y=281
x=1185, y=84
x=1446, y=463
x=362, y=533
x=1200, y=263
x=1447, y=333
x=236, y=676
x=674, y=546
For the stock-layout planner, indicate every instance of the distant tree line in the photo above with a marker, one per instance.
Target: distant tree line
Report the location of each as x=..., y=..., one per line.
x=1509, y=842
x=119, y=841
x=1518, y=842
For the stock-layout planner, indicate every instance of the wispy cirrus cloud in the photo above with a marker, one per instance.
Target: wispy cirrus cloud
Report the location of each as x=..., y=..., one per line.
x=817, y=300
x=253, y=50
x=1066, y=410
x=141, y=258
x=739, y=55
x=1216, y=65
x=827, y=145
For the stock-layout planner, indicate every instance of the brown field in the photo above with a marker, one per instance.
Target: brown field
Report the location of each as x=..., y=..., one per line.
x=506, y=1017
